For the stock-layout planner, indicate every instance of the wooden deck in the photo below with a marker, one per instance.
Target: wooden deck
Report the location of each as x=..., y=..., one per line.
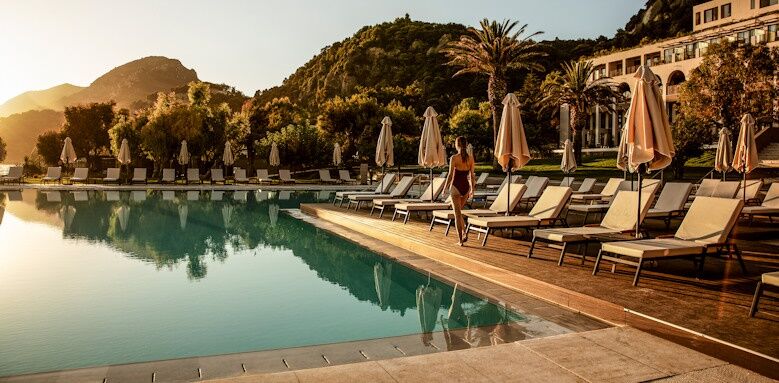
x=710, y=309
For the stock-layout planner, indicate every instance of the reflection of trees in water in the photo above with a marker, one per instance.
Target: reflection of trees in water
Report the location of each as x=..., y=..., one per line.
x=166, y=232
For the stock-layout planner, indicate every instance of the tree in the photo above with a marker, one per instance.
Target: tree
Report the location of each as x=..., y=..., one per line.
x=300, y=145
x=732, y=80
x=689, y=136
x=492, y=51
x=127, y=128
x=3, y=150
x=87, y=126
x=471, y=119
x=49, y=147
x=540, y=132
x=354, y=119
x=573, y=87
x=270, y=116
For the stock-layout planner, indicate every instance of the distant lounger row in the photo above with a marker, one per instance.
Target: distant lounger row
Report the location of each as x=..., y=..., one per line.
x=140, y=175
x=705, y=228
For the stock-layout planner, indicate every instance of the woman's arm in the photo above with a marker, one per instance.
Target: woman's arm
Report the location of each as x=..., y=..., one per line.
x=450, y=175
x=472, y=176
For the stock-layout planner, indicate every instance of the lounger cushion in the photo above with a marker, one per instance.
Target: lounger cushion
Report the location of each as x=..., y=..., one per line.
x=571, y=234
x=392, y=201
x=587, y=197
x=504, y=221
x=595, y=207
x=757, y=210
x=351, y=193
x=369, y=197
x=771, y=278
x=449, y=214
x=422, y=206
x=654, y=248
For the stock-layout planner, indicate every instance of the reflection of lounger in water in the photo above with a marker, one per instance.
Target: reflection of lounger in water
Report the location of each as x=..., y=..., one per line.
x=193, y=195
x=112, y=195
x=168, y=195
x=240, y=195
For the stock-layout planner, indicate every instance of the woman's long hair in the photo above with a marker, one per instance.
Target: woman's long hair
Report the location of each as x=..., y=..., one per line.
x=462, y=145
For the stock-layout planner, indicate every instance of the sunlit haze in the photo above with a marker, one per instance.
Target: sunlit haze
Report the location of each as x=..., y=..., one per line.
x=249, y=44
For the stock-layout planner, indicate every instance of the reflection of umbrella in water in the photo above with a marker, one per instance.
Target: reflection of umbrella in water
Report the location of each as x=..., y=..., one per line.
x=123, y=212
x=183, y=211
x=227, y=215
x=273, y=214
x=68, y=213
x=428, y=303
x=382, y=282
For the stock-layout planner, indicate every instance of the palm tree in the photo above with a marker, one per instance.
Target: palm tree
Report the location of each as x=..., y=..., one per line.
x=574, y=86
x=493, y=50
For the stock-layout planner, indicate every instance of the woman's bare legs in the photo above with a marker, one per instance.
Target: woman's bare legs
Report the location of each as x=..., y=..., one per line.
x=458, y=202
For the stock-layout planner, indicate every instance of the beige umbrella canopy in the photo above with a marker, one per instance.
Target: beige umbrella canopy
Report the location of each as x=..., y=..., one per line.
x=647, y=132
x=68, y=155
x=431, y=145
x=183, y=157
x=511, y=146
x=724, y=156
x=385, y=151
x=337, y=154
x=227, y=155
x=568, y=164
x=274, y=159
x=124, y=153
x=745, y=158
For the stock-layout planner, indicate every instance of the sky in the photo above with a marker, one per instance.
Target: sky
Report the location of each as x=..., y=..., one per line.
x=250, y=44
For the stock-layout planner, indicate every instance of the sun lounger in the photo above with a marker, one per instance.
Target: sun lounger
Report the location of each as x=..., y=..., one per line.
x=546, y=212
x=324, y=176
x=767, y=279
x=217, y=175
x=751, y=193
x=15, y=174
x=648, y=186
x=671, y=202
x=53, y=174
x=490, y=195
x=620, y=218
x=407, y=208
x=111, y=175
x=430, y=194
x=168, y=176
x=482, y=180
x=567, y=181
x=139, y=175
x=535, y=186
x=586, y=186
x=726, y=189
x=80, y=175
x=400, y=191
x=285, y=177
x=381, y=188
x=514, y=179
x=506, y=201
x=239, y=176
x=193, y=176
x=263, y=176
x=608, y=191
x=346, y=177
x=704, y=230
x=768, y=208
x=706, y=187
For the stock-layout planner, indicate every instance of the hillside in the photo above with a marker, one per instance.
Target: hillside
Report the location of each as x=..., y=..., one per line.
x=38, y=99
x=20, y=131
x=658, y=19
x=134, y=81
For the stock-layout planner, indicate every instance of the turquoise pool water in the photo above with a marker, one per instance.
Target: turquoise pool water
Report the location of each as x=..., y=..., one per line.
x=95, y=278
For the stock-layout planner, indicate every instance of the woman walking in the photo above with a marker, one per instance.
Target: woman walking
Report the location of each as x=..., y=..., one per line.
x=460, y=183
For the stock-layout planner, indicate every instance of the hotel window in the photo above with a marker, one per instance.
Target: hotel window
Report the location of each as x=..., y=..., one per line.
x=689, y=51
x=710, y=15
x=668, y=56
x=743, y=37
x=697, y=18
x=703, y=46
x=772, y=32
x=679, y=54
x=757, y=36
x=768, y=3
x=725, y=10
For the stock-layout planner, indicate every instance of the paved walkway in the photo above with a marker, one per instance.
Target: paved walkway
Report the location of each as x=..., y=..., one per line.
x=714, y=306
x=619, y=354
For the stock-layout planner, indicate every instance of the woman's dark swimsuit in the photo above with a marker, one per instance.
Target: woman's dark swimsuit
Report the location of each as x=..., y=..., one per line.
x=461, y=181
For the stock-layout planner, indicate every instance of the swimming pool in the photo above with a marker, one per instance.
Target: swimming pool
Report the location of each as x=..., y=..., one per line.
x=106, y=277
